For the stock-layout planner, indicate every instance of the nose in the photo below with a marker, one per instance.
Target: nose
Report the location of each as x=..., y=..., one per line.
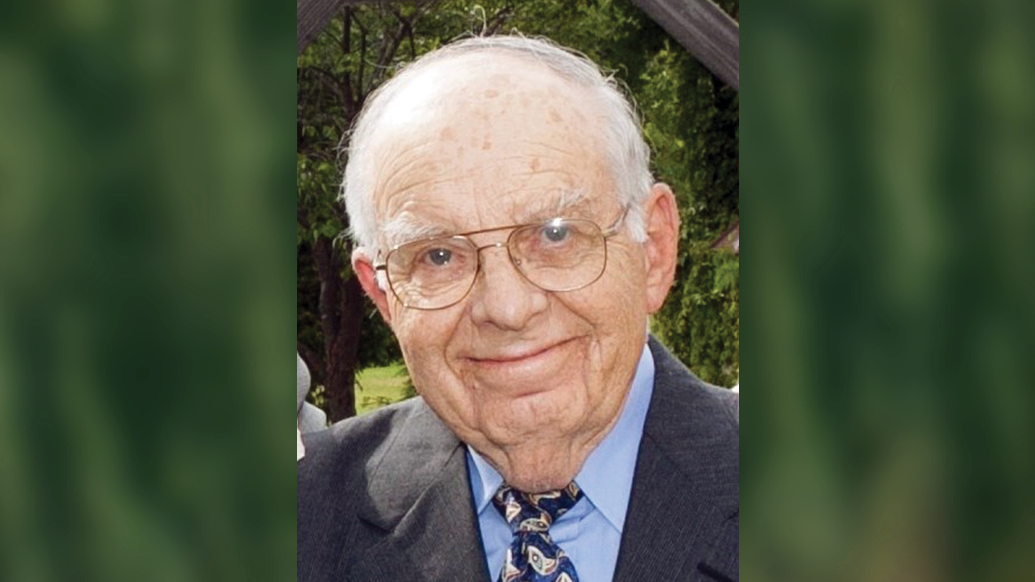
x=501, y=296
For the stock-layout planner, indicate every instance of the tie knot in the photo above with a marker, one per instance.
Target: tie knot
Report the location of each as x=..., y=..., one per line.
x=534, y=511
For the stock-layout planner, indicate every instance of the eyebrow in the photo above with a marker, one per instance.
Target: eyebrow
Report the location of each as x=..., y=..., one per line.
x=406, y=227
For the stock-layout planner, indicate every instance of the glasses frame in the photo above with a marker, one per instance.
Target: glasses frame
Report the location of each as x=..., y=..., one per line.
x=614, y=229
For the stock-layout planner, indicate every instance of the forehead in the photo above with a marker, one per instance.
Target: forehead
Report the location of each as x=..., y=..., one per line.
x=487, y=140
x=479, y=84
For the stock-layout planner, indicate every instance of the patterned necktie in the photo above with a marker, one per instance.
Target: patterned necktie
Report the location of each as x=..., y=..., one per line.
x=532, y=555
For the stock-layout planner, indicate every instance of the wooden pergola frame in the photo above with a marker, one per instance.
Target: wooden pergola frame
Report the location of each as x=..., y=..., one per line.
x=710, y=34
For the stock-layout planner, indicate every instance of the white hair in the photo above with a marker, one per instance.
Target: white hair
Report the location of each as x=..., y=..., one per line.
x=624, y=148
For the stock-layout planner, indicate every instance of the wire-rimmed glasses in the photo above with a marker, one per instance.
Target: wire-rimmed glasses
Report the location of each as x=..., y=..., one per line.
x=561, y=254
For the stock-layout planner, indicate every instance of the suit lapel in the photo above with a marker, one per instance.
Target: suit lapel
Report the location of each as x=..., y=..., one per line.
x=421, y=510
x=683, y=517
x=670, y=528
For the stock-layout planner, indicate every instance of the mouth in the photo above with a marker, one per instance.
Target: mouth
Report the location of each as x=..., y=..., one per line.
x=519, y=356
x=525, y=371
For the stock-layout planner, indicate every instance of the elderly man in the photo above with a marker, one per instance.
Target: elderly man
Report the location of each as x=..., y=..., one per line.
x=509, y=232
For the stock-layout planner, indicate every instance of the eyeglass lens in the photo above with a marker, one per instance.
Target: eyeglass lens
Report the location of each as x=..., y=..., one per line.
x=560, y=255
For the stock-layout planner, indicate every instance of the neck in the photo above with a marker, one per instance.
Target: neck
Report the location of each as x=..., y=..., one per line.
x=538, y=466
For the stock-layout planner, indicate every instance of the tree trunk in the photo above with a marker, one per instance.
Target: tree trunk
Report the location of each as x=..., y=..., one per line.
x=341, y=314
x=342, y=351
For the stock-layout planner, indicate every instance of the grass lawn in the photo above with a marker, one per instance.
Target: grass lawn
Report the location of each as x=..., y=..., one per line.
x=378, y=387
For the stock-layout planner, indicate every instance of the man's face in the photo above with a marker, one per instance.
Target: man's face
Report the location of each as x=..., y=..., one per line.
x=531, y=379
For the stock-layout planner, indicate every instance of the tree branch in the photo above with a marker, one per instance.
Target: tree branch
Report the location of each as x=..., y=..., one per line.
x=362, y=61
x=498, y=19
x=387, y=54
x=345, y=83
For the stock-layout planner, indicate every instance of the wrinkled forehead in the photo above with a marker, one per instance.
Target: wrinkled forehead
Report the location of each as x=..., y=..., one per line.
x=491, y=82
x=506, y=133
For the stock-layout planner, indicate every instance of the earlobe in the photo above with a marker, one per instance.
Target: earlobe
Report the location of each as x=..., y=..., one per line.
x=363, y=265
x=662, y=244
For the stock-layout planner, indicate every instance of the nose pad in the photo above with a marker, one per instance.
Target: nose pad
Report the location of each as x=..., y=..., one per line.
x=502, y=295
x=506, y=261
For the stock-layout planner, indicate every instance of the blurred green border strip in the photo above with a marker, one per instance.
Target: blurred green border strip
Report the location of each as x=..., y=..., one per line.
x=888, y=201
x=146, y=290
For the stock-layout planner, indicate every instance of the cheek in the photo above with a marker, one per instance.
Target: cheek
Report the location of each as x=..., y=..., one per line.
x=423, y=338
x=623, y=289
x=415, y=327
x=618, y=315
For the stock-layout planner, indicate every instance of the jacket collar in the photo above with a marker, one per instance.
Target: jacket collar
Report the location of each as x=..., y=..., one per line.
x=418, y=495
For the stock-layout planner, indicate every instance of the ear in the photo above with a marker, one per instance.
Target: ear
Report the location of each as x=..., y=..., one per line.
x=363, y=265
x=662, y=244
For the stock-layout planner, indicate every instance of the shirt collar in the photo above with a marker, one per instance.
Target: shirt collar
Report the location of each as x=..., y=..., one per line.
x=606, y=476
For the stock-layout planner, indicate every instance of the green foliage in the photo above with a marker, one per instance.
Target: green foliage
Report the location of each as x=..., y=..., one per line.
x=692, y=125
x=377, y=345
x=701, y=319
x=316, y=180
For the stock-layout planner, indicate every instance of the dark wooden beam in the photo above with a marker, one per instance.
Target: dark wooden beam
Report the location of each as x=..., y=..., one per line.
x=312, y=17
x=710, y=34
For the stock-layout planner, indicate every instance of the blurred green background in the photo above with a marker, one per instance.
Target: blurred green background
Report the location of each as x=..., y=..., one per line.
x=888, y=353
x=146, y=290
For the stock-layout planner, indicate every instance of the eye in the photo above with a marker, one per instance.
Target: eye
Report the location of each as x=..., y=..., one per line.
x=555, y=232
x=439, y=257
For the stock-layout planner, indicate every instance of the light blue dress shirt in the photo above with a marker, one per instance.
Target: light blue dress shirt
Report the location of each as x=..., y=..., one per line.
x=592, y=530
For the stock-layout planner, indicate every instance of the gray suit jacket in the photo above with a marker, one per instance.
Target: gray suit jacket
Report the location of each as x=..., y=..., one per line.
x=386, y=497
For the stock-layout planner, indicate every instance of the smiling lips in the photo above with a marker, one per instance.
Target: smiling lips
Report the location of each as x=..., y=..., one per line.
x=515, y=372
x=523, y=372
x=519, y=356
